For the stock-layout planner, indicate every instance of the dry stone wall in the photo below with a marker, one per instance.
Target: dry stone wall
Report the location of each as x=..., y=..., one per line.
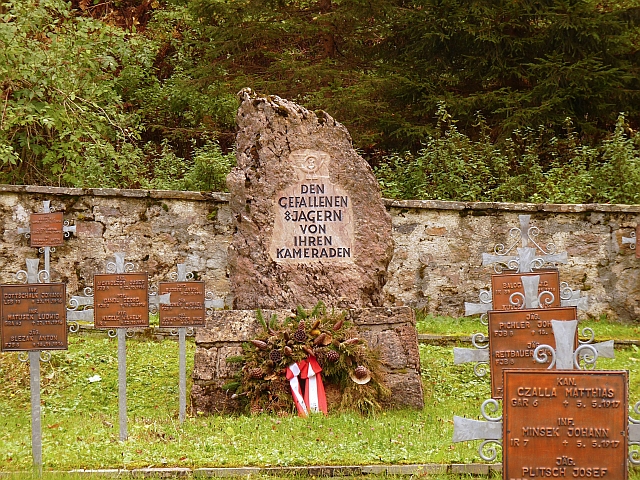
x=436, y=263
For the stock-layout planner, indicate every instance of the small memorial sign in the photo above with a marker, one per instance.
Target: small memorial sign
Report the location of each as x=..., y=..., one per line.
x=121, y=300
x=186, y=308
x=313, y=216
x=514, y=336
x=33, y=317
x=566, y=424
x=505, y=285
x=46, y=229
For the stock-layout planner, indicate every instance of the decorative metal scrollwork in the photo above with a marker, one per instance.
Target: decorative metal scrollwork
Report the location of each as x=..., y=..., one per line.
x=112, y=267
x=634, y=455
x=494, y=407
x=588, y=354
x=533, y=232
x=480, y=369
x=542, y=353
x=491, y=451
x=636, y=410
x=480, y=340
x=546, y=298
x=209, y=297
x=112, y=333
x=587, y=332
x=566, y=292
x=74, y=327
x=45, y=356
x=23, y=357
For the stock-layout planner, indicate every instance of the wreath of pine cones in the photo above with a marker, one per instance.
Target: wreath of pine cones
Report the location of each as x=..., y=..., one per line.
x=260, y=384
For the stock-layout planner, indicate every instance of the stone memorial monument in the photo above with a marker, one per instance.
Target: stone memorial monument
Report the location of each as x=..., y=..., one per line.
x=310, y=227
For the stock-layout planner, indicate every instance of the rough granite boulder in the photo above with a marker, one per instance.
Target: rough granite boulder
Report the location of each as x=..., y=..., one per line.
x=295, y=193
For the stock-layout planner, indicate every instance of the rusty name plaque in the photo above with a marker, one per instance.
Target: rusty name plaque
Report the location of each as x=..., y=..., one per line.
x=46, y=230
x=637, y=241
x=565, y=424
x=33, y=317
x=186, y=307
x=504, y=285
x=514, y=336
x=121, y=300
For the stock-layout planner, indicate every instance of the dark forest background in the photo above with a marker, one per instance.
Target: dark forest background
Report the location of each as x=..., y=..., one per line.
x=489, y=100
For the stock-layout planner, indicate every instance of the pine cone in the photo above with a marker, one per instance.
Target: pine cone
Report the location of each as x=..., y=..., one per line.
x=361, y=372
x=259, y=344
x=256, y=373
x=333, y=356
x=300, y=335
x=275, y=356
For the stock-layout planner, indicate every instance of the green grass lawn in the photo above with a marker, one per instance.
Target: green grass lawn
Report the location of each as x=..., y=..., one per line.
x=80, y=418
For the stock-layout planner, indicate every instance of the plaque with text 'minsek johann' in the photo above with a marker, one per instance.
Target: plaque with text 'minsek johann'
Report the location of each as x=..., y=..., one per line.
x=313, y=217
x=121, y=300
x=565, y=424
x=33, y=317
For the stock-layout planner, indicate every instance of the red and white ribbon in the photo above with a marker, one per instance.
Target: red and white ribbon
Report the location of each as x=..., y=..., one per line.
x=292, y=373
x=314, y=395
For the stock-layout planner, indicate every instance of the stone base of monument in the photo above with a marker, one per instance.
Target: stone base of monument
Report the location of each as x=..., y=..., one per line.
x=391, y=330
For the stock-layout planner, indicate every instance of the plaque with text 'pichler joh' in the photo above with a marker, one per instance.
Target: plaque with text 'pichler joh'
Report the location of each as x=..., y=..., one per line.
x=515, y=334
x=46, y=229
x=121, y=300
x=33, y=317
x=565, y=424
x=505, y=285
x=186, y=305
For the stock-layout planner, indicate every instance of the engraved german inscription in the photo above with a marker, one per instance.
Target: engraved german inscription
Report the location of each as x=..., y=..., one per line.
x=569, y=424
x=121, y=300
x=186, y=308
x=33, y=317
x=515, y=334
x=505, y=285
x=46, y=229
x=313, y=217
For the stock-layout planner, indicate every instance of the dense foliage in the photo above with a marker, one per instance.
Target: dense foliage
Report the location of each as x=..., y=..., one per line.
x=493, y=100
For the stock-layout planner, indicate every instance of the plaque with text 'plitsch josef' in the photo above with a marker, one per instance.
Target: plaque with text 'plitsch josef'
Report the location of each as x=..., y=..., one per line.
x=514, y=336
x=565, y=424
x=186, y=306
x=121, y=300
x=505, y=285
x=33, y=317
x=46, y=229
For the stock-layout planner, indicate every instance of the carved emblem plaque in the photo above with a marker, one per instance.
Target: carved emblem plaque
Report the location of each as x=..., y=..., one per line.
x=515, y=334
x=46, y=229
x=511, y=286
x=313, y=216
x=565, y=424
x=121, y=300
x=186, y=307
x=33, y=317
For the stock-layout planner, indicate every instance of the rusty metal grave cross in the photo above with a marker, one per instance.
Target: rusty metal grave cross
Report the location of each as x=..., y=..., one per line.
x=531, y=299
x=120, y=301
x=183, y=307
x=527, y=258
x=47, y=230
x=563, y=357
x=33, y=323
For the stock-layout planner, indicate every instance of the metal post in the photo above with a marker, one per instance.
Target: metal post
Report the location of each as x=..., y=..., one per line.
x=122, y=382
x=36, y=428
x=182, y=334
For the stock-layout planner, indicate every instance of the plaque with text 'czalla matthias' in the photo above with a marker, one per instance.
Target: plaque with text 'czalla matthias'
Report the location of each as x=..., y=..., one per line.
x=186, y=304
x=313, y=216
x=565, y=424
x=121, y=300
x=33, y=317
x=515, y=334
